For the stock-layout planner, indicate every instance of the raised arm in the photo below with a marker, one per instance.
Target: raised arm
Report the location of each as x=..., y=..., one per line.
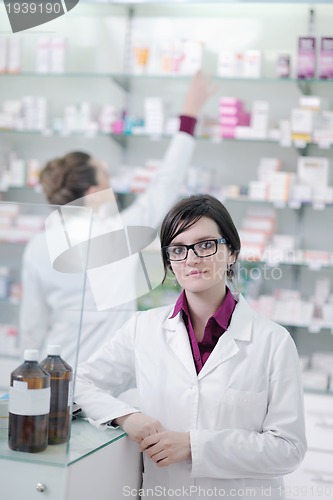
x=150, y=207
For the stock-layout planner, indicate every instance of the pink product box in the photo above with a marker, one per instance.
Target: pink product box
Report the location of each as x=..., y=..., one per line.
x=227, y=131
x=240, y=119
x=231, y=101
x=306, y=63
x=325, y=62
x=231, y=111
x=118, y=127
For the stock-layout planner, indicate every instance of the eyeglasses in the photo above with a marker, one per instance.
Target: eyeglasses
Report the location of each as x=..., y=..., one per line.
x=201, y=249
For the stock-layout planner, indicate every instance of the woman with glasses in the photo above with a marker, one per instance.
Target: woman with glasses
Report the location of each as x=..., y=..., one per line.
x=221, y=411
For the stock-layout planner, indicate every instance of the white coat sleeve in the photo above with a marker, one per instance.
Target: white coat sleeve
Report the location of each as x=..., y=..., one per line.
x=105, y=375
x=150, y=207
x=34, y=311
x=278, y=449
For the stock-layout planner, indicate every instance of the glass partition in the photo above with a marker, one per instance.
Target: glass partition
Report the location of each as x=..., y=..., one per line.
x=70, y=276
x=41, y=293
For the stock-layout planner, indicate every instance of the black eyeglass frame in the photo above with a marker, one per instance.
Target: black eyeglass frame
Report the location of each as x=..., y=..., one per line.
x=192, y=247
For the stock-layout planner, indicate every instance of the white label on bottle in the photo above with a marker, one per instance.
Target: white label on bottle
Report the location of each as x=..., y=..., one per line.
x=70, y=393
x=24, y=401
x=20, y=385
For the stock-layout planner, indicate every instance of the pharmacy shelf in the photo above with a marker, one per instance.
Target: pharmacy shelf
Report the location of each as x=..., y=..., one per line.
x=290, y=205
x=313, y=266
x=189, y=2
x=17, y=356
x=123, y=80
x=322, y=392
x=51, y=133
x=159, y=76
x=9, y=303
x=120, y=138
x=36, y=189
x=308, y=329
x=15, y=242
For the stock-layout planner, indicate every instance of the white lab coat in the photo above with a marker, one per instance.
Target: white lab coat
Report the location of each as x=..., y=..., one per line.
x=244, y=410
x=52, y=301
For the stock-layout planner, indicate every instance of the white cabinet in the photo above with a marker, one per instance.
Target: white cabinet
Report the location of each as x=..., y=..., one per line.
x=314, y=478
x=98, y=465
x=31, y=481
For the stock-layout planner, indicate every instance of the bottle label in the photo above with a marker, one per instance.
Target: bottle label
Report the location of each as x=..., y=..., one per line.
x=24, y=401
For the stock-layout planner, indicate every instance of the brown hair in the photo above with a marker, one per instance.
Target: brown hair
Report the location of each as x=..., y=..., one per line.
x=68, y=178
x=187, y=212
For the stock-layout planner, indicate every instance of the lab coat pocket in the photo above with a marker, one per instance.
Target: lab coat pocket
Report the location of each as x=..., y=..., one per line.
x=243, y=409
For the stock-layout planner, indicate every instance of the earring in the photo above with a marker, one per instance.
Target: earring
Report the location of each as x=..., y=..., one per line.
x=175, y=282
x=230, y=270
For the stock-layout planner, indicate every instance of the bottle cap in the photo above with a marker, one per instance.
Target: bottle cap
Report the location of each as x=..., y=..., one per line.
x=54, y=350
x=31, y=355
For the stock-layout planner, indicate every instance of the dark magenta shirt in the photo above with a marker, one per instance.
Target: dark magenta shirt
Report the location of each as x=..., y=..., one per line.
x=187, y=124
x=215, y=327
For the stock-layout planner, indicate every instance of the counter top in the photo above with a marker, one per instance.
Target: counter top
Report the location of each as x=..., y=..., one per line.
x=85, y=440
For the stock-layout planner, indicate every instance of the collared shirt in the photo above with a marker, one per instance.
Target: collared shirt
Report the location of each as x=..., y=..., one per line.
x=215, y=327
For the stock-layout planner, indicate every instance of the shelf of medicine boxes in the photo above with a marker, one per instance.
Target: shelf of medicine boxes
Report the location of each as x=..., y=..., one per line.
x=121, y=78
x=291, y=204
x=134, y=3
x=310, y=264
x=124, y=79
x=325, y=263
x=120, y=138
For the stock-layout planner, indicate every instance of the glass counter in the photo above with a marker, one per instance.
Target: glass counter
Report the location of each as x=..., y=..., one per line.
x=85, y=440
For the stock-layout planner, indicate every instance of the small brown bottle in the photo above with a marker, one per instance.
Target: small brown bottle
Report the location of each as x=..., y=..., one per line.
x=61, y=394
x=29, y=405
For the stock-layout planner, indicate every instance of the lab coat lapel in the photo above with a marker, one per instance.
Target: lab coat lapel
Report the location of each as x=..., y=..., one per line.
x=177, y=338
x=240, y=329
x=225, y=349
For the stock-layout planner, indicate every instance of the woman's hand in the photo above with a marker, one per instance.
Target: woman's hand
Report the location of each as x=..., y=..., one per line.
x=139, y=426
x=199, y=91
x=167, y=447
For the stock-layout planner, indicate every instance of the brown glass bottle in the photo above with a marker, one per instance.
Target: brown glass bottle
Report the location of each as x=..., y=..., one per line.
x=61, y=395
x=29, y=404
